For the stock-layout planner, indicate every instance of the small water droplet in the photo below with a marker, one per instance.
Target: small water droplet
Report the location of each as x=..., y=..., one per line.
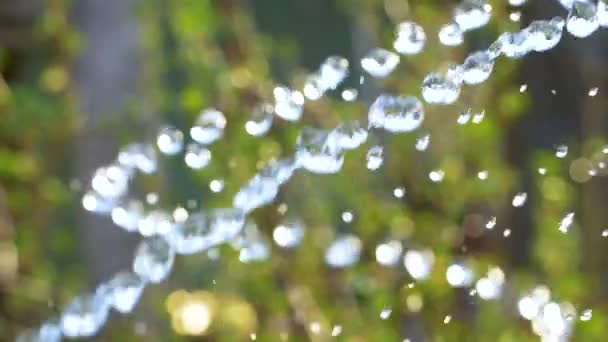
x=436, y=176
x=561, y=151
x=385, y=314
x=519, y=199
x=379, y=62
x=586, y=315
x=593, y=91
x=375, y=157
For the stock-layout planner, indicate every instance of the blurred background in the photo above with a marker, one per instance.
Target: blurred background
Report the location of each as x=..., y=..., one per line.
x=81, y=78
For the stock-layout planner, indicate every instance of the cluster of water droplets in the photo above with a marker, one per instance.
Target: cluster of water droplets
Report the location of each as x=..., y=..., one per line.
x=318, y=151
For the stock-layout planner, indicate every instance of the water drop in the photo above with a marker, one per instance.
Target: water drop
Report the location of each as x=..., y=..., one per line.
x=333, y=71
x=447, y=319
x=288, y=103
x=197, y=156
x=209, y=126
x=350, y=94
x=375, y=157
x=388, y=253
x=458, y=275
x=336, y=330
x=124, y=290
x=140, y=156
x=344, y=251
x=519, y=199
x=349, y=135
x=317, y=153
x=192, y=236
x=396, y=113
x=256, y=193
x=450, y=35
x=472, y=14
x=419, y=263
x=514, y=45
x=586, y=315
x=528, y=307
x=436, y=176
x=491, y=223
x=515, y=16
x=464, y=117
x=478, y=117
x=593, y=91
x=380, y=62
x=523, y=88
x=605, y=233
x=410, y=38
x=399, y=192
x=582, y=20
x=85, y=315
x=542, y=171
x=566, y=222
x=216, y=185
x=602, y=12
x=170, y=140
x=517, y=3
x=347, y=217
x=127, y=215
x=423, y=142
x=477, y=67
x=385, y=314
x=288, y=234
x=156, y=222
x=437, y=89
x=545, y=34
x=506, y=233
x=482, y=175
x=260, y=120
x=561, y=151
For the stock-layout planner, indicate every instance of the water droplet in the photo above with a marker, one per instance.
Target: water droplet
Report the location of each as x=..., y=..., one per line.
x=350, y=94
x=336, y=330
x=152, y=198
x=542, y=171
x=528, y=307
x=490, y=287
x=519, y=199
x=111, y=182
x=209, y=126
x=85, y=315
x=254, y=249
x=450, y=35
x=170, y=140
x=482, y=175
x=523, y=88
x=288, y=103
x=380, y=62
x=140, y=156
x=515, y=16
x=347, y=217
x=344, y=251
x=423, y=142
x=93, y=202
x=399, y=192
x=216, y=185
x=464, y=117
x=256, y=193
x=477, y=67
x=124, y=289
x=349, y=135
x=388, y=253
x=582, y=20
x=410, y=38
x=288, y=234
x=153, y=259
x=517, y=3
x=317, y=153
x=260, y=120
x=478, y=117
x=315, y=328
x=375, y=157
x=156, y=222
x=506, y=233
x=128, y=215
x=491, y=223
x=545, y=34
x=593, y=91
x=587, y=315
x=436, y=176
x=561, y=151
x=458, y=275
x=192, y=236
x=566, y=222
x=333, y=71
x=396, y=113
x=385, y=314
x=419, y=263
x=472, y=14
x=437, y=89
x=605, y=232
x=280, y=170
x=197, y=156
x=226, y=223
x=447, y=319
x=514, y=45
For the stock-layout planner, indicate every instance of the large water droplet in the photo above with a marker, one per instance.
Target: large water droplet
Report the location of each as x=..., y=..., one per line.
x=343, y=251
x=450, y=35
x=260, y=120
x=318, y=154
x=477, y=67
x=472, y=14
x=437, y=89
x=380, y=62
x=419, y=263
x=545, y=34
x=582, y=20
x=197, y=156
x=209, y=126
x=170, y=140
x=389, y=253
x=288, y=103
x=514, y=44
x=333, y=71
x=396, y=113
x=153, y=259
x=410, y=38
x=348, y=135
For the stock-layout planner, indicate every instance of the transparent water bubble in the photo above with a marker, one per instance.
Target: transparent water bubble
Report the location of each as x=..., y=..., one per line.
x=472, y=14
x=350, y=94
x=348, y=135
x=197, y=156
x=477, y=67
x=280, y=170
x=450, y=35
x=153, y=259
x=379, y=62
x=561, y=151
x=124, y=290
x=566, y=222
x=314, y=87
x=333, y=71
x=111, y=181
x=464, y=117
x=519, y=199
x=256, y=193
x=288, y=103
x=344, y=251
x=156, y=222
x=419, y=263
x=514, y=44
x=399, y=192
x=593, y=91
x=288, y=234
x=436, y=176
x=127, y=215
x=95, y=203
x=385, y=313
x=375, y=157
x=260, y=120
x=192, y=236
x=602, y=13
x=47, y=332
x=216, y=185
x=528, y=307
x=170, y=140
x=396, y=113
x=317, y=153
x=226, y=223
x=582, y=20
x=410, y=38
x=423, y=142
x=209, y=126
x=545, y=34
x=389, y=253
x=459, y=275
x=140, y=156
x=437, y=89
x=85, y=315
x=488, y=289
